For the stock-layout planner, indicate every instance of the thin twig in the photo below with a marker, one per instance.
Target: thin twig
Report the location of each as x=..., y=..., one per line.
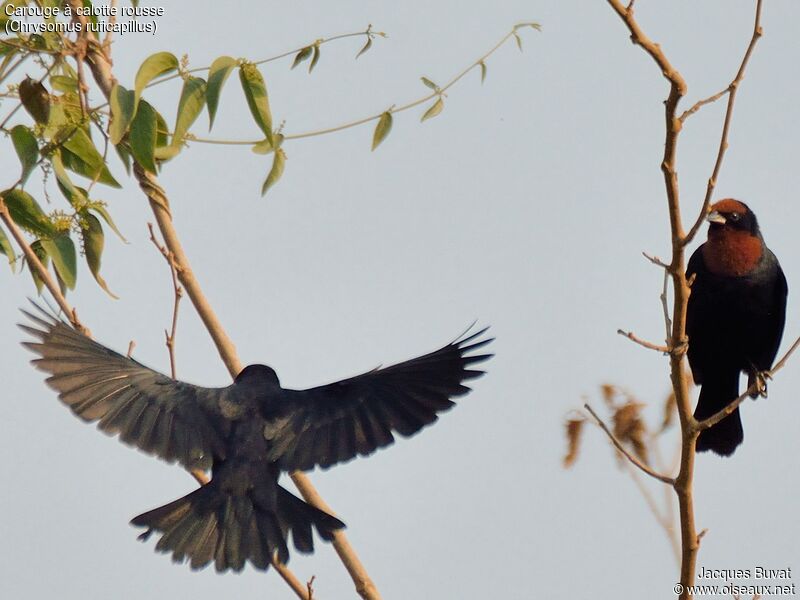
x=669, y=499
x=701, y=103
x=310, y=586
x=634, y=460
x=644, y=343
x=733, y=88
x=177, y=294
x=656, y=261
x=159, y=81
x=662, y=518
x=427, y=97
x=410, y=105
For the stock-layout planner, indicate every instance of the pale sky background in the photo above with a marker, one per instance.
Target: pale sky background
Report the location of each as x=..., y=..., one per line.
x=526, y=205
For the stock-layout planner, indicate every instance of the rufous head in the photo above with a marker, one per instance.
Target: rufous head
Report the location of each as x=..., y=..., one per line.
x=734, y=245
x=732, y=215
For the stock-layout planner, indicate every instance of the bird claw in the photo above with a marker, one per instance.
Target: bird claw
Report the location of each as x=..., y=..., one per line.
x=759, y=379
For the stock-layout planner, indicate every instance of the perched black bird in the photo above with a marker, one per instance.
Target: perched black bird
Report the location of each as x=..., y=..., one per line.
x=246, y=434
x=735, y=317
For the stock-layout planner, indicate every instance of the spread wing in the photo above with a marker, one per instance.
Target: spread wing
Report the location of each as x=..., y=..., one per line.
x=173, y=420
x=333, y=423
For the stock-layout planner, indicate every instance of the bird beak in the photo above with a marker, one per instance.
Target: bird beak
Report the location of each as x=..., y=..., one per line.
x=715, y=217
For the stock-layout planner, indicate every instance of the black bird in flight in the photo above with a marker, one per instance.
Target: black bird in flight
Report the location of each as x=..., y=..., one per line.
x=735, y=317
x=246, y=434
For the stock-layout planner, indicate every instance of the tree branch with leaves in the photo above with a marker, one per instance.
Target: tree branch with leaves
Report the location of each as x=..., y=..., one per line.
x=60, y=142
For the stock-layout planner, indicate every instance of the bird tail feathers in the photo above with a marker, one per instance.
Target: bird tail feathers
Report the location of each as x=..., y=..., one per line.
x=715, y=394
x=210, y=524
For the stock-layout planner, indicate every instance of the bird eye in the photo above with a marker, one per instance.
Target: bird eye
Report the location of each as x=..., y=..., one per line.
x=735, y=216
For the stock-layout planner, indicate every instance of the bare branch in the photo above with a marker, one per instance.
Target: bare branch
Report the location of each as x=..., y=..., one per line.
x=677, y=335
x=290, y=578
x=644, y=343
x=701, y=103
x=656, y=261
x=723, y=142
x=634, y=460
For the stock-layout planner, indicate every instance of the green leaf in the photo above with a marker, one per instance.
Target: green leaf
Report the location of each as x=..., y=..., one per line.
x=41, y=254
x=7, y=249
x=193, y=99
x=314, y=59
x=429, y=83
x=256, y=93
x=535, y=26
x=265, y=146
x=35, y=99
x=93, y=242
x=278, y=162
x=366, y=47
x=27, y=150
x=483, y=71
x=76, y=164
x=27, y=213
x=153, y=66
x=101, y=210
x=434, y=110
x=382, y=129
x=83, y=158
x=164, y=153
x=62, y=251
x=302, y=55
x=124, y=153
x=143, y=136
x=72, y=193
x=217, y=76
x=56, y=123
x=123, y=104
x=63, y=83
x=262, y=147
x=162, y=130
